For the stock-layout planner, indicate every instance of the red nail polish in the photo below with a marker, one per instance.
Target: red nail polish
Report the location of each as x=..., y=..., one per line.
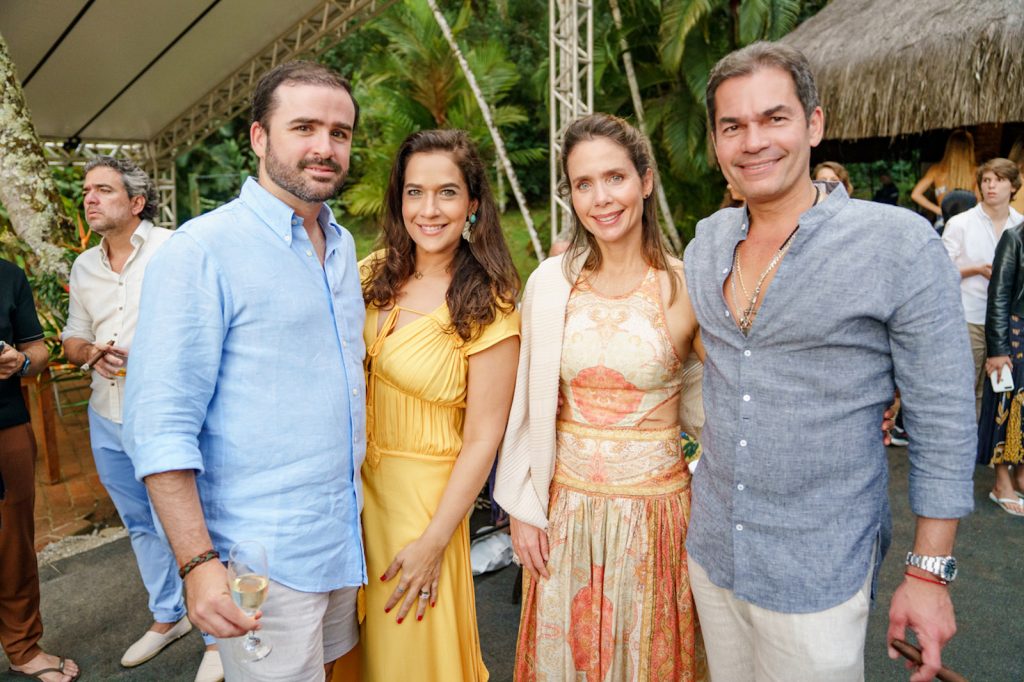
x=419, y=617
x=387, y=609
x=400, y=620
x=384, y=577
x=433, y=604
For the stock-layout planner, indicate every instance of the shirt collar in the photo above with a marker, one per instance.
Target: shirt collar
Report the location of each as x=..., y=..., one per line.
x=138, y=238
x=276, y=214
x=835, y=199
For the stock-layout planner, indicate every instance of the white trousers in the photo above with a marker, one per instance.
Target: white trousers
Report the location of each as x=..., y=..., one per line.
x=306, y=630
x=746, y=643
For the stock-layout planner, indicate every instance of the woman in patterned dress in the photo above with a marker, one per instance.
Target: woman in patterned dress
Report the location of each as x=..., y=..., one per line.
x=1001, y=424
x=599, y=492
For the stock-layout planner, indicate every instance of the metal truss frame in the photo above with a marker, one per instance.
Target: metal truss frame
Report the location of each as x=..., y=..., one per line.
x=317, y=32
x=322, y=28
x=571, y=87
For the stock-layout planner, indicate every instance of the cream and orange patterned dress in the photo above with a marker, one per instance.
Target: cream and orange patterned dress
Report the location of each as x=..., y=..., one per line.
x=618, y=604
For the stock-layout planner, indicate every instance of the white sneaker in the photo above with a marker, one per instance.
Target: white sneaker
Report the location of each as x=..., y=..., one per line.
x=152, y=643
x=210, y=669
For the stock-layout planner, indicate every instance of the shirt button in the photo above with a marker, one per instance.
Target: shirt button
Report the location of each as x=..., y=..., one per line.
x=727, y=313
x=740, y=486
x=746, y=398
x=309, y=253
x=746, y=353
x=120, y=307
x=743, y=443
x=739, y=526
x=355, y=391
x=725, y=271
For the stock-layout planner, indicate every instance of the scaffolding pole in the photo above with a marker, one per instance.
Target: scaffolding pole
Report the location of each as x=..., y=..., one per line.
x=570, y=90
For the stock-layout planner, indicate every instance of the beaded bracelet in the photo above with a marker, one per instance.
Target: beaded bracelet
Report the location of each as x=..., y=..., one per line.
x=208, y=555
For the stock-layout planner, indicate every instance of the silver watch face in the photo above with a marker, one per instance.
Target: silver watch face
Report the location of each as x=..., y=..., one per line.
x=948, y=569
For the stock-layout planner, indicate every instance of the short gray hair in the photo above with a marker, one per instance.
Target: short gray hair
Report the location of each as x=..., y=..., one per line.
x=136, y=182
x=759, y=55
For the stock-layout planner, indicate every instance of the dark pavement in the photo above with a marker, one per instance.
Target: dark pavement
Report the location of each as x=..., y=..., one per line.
x=94, y=603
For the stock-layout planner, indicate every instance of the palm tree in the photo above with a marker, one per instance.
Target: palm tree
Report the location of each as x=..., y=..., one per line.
x=411, y=81
x=674, y=44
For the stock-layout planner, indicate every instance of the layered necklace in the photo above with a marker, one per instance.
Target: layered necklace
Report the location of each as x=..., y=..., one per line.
x=748, y=312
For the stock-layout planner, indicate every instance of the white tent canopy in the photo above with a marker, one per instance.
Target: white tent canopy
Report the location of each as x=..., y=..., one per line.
x=127, y=71
x=155, y=77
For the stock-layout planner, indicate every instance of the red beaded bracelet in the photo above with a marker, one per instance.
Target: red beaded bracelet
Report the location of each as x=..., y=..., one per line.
x=927, y=580
x=208, y=555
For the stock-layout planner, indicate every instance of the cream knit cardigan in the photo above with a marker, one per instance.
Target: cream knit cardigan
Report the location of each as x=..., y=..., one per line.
x=527, y=458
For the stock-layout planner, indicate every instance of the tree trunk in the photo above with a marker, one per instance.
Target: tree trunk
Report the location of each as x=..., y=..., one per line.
x=669, y=226
x=27, y=189
x=499, y=143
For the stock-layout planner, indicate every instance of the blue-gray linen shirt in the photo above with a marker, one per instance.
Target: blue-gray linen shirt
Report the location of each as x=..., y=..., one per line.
x=790, y=496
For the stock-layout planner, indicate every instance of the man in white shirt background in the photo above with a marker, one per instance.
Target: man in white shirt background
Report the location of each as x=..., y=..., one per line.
x=970, y=239
x=105, y=286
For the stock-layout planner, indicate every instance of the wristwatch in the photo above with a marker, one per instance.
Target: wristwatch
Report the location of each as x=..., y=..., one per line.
x=25, y=365
x=942, y=567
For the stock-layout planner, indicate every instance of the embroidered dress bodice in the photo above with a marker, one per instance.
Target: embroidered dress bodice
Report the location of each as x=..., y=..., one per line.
x=618, y=363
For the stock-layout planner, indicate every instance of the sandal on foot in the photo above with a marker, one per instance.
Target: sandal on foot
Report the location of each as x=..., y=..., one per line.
x=1005, y=502
x=38, y=675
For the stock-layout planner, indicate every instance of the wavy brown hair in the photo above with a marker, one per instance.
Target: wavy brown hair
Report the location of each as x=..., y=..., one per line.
x=484, y=279
x=582, y=244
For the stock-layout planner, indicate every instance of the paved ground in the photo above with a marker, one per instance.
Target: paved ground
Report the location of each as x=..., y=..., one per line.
x=94, y=604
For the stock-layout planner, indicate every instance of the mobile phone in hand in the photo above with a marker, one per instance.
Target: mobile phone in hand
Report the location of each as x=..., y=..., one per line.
x=1002, y=380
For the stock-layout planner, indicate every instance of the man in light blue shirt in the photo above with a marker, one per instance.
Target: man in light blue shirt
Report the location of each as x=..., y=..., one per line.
x=245, y=397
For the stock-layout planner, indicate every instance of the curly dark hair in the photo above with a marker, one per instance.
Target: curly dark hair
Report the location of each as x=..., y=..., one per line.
x=484, y=279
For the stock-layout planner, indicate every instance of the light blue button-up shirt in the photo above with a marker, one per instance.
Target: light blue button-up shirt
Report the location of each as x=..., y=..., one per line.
x=247, y=368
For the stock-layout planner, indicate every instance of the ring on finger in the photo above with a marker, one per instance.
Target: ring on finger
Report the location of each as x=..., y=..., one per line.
x=424, y=594
x=516, y=561
x=400, y=589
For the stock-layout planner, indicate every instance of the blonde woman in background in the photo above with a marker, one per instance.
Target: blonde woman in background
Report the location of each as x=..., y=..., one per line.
x=954, y=171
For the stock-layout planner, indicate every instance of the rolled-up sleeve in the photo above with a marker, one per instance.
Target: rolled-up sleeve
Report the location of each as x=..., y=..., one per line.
x=934, y=371
x=183, y=315
x=79, y=323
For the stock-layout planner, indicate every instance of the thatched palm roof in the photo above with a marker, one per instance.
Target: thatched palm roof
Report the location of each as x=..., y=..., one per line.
x=887, y=68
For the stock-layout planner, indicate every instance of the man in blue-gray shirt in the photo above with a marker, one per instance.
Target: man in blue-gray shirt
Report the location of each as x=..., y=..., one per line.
x=245, y=397
x=813, y=307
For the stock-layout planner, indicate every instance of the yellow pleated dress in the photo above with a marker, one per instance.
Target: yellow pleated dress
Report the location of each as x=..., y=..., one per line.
x=416, y=399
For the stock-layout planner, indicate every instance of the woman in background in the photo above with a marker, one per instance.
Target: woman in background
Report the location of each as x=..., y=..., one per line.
x=831, y=171
x=597, y=490
x=442, y=346
x=954, y=171
x=1001, y=425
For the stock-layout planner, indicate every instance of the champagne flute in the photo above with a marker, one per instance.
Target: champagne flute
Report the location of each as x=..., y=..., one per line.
x=249, y=580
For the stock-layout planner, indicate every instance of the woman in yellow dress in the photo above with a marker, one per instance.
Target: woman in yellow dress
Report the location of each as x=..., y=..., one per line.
x=442, y=339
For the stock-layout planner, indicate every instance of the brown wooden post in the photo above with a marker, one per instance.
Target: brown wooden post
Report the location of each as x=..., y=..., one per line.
x=44, y=424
